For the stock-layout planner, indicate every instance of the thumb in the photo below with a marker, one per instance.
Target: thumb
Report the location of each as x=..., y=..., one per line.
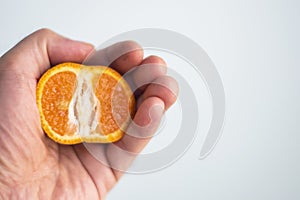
x=40, y=50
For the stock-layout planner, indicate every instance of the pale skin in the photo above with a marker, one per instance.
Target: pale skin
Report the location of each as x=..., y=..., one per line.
x=32, y=166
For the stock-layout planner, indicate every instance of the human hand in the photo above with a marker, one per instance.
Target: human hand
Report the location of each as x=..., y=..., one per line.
x=33, y=166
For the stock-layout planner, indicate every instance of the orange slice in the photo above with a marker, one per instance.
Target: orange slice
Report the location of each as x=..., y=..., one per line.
x=80, y=103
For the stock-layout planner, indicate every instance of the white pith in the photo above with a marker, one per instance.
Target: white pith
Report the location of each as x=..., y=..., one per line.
x=84, y=108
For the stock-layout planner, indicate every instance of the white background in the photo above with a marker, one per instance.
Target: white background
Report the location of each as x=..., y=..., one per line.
x=255, y=47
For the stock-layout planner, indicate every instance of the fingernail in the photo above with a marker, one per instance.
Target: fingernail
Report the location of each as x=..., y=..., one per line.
x=157, y=110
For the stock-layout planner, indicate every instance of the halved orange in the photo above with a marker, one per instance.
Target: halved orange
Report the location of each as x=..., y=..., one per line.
x=80, y=103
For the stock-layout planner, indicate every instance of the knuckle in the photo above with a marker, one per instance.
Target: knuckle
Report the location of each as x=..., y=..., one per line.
x=155, y=60
x=44, y=32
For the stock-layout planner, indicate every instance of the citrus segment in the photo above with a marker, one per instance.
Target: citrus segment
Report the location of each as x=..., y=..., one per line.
x=84, y=103
x=113, y=113
x=57, y=94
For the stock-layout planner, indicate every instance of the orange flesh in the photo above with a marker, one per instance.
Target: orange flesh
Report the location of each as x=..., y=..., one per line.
x=57, y=95
x=111, y=103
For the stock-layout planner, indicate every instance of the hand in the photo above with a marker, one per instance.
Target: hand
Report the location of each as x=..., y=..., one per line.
x=33, y=166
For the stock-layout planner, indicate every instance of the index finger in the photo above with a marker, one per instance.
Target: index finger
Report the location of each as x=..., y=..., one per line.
x=122, y=56
x=41, y=50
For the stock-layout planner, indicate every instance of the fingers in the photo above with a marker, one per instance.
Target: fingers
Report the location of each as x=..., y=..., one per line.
x=163, y=87
x=147, y=119
x=122, y=56
x=144, y=125
x=157, y=93
x=151, y=80
x=42, y=49
x=151, y=68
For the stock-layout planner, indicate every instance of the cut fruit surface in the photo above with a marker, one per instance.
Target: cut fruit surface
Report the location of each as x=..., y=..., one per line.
x=80, y=103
